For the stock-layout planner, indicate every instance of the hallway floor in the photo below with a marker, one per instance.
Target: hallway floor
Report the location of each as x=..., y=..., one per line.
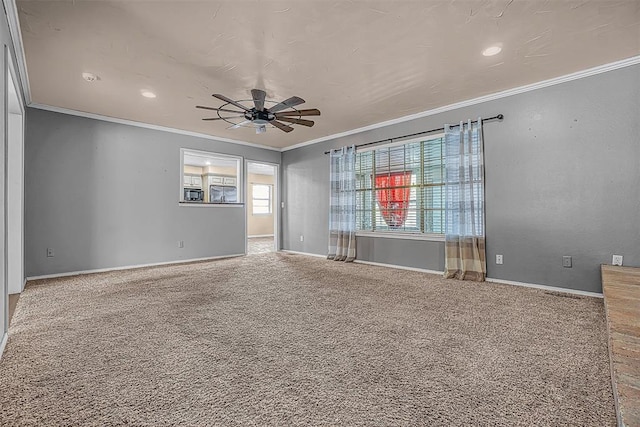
x=260, y=245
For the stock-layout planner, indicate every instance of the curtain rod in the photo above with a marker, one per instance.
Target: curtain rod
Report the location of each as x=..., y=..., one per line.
x=498, y=117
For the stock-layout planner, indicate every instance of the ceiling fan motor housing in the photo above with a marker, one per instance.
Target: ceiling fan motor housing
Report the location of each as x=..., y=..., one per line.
x=259, y=117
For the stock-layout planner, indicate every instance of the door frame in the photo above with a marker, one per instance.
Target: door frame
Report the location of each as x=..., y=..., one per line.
x=12, y=78
x=275, y=208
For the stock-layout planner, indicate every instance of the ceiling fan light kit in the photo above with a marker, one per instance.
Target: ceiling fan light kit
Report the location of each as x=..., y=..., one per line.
x=259, y=116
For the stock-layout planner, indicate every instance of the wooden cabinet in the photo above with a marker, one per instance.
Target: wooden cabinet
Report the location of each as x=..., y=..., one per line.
x=215, y=180
x=222, y=180
x=192, y=181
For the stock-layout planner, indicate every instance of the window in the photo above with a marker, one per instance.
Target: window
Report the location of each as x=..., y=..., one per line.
x=400, y=188
x=209, y=178
x=262, y=197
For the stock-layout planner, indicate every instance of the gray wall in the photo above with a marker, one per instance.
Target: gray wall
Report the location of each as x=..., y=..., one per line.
x=562, y=178
x=105, y=195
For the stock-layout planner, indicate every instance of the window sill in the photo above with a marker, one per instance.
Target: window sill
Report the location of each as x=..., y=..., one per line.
x=403, y=236
x=211, y=205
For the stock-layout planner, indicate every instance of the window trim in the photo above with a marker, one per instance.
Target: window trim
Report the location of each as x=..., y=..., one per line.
x=270, y=199
x=395, y=143
x=402, y=234
x=385, y=234
x=239, y=177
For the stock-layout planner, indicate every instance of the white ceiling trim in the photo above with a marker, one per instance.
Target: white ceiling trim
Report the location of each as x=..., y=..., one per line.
x=146, y=125
x=634, y=60
x=16, y=36
x=491, y=97
x=16, y=39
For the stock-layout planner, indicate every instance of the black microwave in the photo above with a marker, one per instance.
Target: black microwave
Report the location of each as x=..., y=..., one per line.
x=193, y=195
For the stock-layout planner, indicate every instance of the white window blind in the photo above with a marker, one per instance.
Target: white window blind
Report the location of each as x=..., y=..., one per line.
x=400, y=188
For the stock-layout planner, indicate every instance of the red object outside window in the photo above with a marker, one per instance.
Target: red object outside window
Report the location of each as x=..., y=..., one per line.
x=394, y=202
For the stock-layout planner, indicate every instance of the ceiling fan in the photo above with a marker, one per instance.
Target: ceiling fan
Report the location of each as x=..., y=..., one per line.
x=259, y=116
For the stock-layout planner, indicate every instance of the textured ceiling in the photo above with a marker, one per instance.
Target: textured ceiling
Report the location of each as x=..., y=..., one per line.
x=359, y=62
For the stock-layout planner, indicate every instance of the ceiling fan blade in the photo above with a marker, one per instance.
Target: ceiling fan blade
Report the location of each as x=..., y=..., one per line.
x=287, y=103
x=281, y=126
x=297, y=121
x=217, y=109
x=230, y=101
x=237, y=125
x=310, y=112
x=221, y=118
x=258, y=98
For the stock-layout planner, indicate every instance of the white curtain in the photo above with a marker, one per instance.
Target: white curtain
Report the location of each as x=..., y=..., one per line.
x=342, y=214
x=464, y=202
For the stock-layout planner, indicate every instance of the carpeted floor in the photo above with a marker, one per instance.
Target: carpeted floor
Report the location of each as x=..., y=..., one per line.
x=281, y=339
x=260, y=245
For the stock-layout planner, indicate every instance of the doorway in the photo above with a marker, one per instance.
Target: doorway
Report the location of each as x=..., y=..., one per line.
x=262, y=221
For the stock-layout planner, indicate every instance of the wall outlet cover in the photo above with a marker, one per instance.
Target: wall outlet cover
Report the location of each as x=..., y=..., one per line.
x=617, y=260
x=566, y=261
x=181, y=243
x=301, y=238
x=50, y=253
x=499, y=259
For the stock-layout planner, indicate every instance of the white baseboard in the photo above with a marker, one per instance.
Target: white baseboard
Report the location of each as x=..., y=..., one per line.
x=260, y=235
x=547, y=288
x=304, y=253
x=130, y=267
x=488, y=279
x=399, y=267
x=3, y=343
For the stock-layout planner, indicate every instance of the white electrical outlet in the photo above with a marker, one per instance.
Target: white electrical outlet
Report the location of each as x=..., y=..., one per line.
x=50, y=253
x=181, y=243
x=617, y=260
x=301, y=238
x=499, y=259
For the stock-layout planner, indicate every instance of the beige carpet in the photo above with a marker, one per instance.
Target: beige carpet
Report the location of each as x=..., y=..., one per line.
x=260, y=245
x=279, y=339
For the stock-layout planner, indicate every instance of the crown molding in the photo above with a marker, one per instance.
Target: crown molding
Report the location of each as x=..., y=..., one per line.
x=16, y=40
x=634, y=60
x=16, y=37
x=486, y=98
x=147, y=126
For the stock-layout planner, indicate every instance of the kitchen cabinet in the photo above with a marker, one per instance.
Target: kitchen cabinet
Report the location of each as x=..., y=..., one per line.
x=215, y=180
x=192, y=181
x=222, y=180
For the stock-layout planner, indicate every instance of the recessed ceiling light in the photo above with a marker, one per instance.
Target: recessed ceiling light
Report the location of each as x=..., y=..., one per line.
x=90, y=77
x=207, y=163
x=493, y=50
x=147, y=94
